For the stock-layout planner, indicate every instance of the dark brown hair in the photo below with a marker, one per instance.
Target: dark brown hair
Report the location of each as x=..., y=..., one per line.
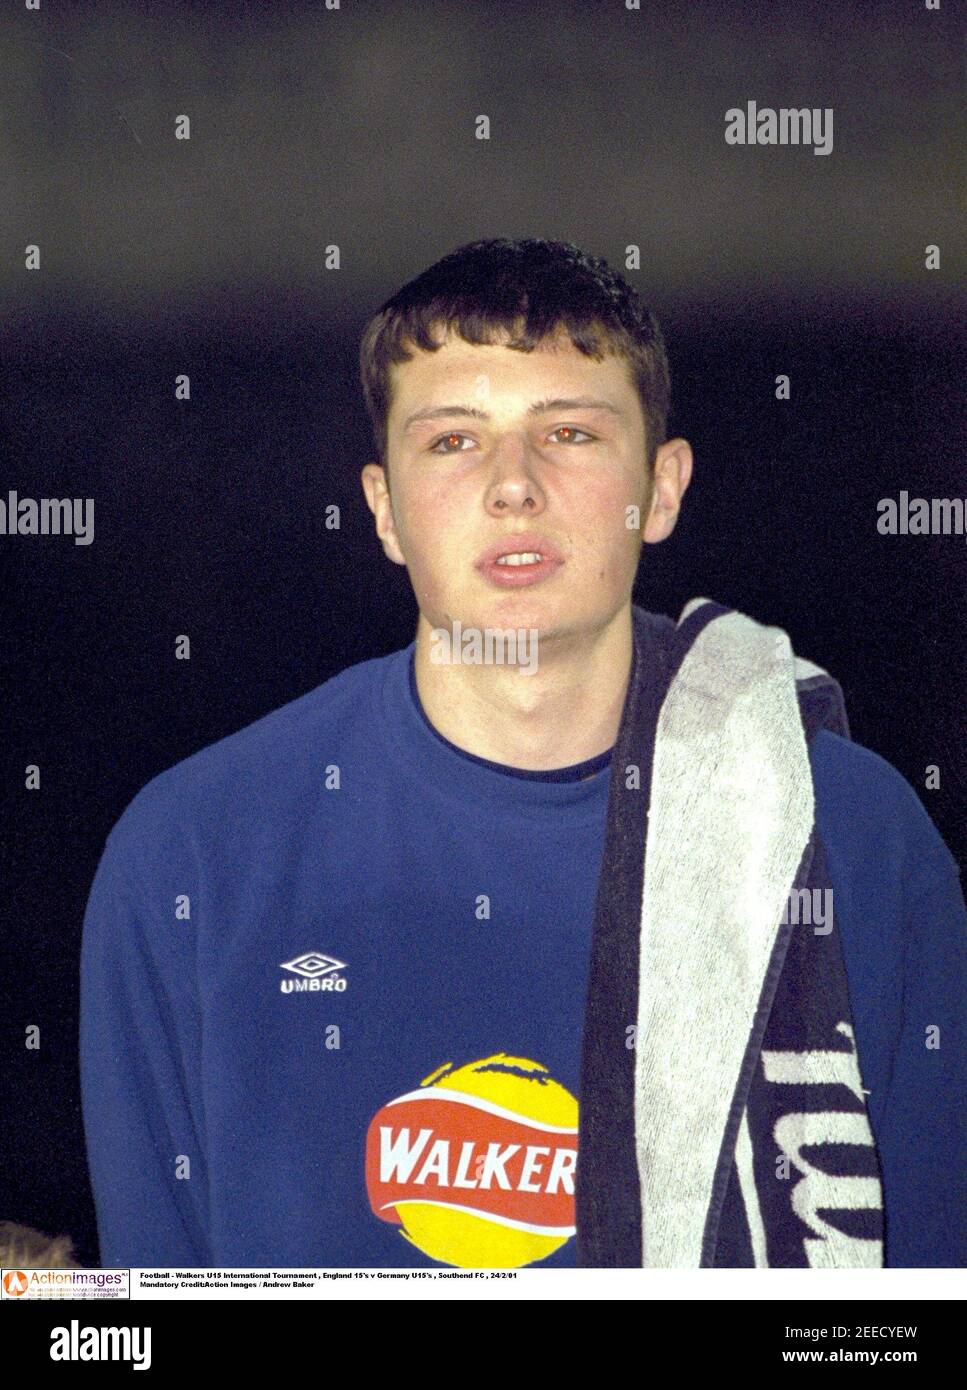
x=535, y=286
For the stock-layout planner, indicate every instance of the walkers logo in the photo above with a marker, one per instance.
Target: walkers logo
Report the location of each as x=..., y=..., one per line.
x=316, y=972
x=477, y=1166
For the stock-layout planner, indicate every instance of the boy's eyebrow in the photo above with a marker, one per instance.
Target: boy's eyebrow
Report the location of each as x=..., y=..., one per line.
x=536, y=408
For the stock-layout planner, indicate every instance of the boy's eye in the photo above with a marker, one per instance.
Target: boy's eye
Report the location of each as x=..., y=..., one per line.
x=568, y=431
x=447, y=439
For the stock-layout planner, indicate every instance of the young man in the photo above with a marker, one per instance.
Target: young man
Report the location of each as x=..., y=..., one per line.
x=565, y=935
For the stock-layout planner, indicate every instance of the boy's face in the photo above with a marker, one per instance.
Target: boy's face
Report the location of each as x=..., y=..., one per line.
x=565, y=474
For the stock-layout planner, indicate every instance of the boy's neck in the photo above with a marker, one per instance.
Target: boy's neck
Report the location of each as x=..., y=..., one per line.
x=563, y=712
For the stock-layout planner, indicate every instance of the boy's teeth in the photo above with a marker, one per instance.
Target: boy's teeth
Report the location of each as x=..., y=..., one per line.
x=527, y=557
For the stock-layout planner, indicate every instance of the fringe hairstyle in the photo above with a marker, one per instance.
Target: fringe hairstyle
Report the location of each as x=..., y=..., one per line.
x=529, y=289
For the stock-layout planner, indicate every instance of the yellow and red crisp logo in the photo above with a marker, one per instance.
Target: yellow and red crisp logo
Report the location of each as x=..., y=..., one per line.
x=477, y=1166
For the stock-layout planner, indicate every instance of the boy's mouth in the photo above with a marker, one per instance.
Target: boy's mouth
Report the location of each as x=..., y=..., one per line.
x=516, y=560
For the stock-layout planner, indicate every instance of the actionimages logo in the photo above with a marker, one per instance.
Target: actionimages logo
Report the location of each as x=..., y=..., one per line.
x=315, y=972
x=64, y=1283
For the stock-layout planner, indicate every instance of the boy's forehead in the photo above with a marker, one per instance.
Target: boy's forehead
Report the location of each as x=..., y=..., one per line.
x=460, y=363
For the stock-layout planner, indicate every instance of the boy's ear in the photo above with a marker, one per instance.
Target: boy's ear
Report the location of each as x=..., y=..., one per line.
x=376, y=488
x=673, y=473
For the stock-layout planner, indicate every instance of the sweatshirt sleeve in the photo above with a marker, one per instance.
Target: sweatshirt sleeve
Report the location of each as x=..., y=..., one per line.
x=901, y=909
x=924, y=1131
x=139, y=1069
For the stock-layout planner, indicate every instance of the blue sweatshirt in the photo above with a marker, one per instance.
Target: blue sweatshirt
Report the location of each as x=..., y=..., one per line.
x=333, y=983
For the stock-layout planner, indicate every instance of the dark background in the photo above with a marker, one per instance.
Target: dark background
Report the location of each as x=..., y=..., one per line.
x=356, y=127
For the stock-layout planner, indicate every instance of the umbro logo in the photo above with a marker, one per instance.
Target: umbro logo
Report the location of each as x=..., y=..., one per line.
x=315, y=972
